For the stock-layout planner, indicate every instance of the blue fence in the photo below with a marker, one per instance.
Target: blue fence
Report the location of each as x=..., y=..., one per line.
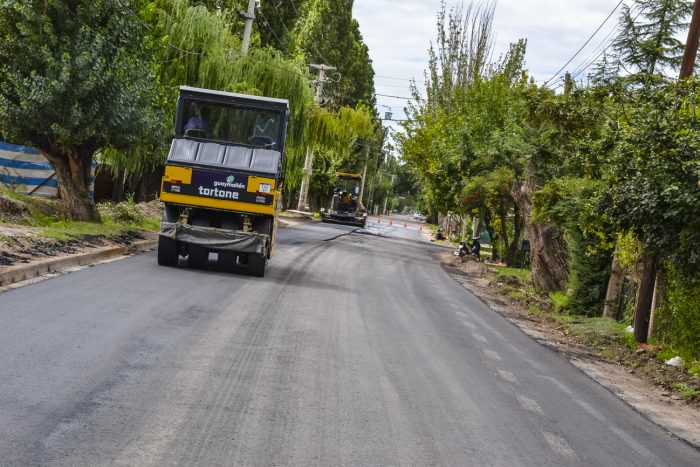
x=22, y=168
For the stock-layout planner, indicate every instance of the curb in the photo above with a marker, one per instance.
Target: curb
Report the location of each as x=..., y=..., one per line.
x=23, y=272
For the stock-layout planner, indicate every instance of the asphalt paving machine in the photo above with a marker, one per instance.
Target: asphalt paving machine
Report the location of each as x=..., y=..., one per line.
x=345, y=206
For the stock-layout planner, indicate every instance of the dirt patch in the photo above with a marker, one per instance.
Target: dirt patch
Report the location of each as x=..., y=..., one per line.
x=22, y=245
x=638, y=377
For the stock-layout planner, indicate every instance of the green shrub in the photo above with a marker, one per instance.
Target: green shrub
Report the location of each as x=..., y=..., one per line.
x=589, y=272
x=677, y=321
x=125, y=212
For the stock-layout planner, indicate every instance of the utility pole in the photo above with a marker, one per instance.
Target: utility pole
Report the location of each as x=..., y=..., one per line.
x=362, y=185
x=650, y=260
x=249, y=16
x=691, y=45
x=308, y=162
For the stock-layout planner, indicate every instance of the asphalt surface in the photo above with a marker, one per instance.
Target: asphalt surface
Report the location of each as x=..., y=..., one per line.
x=355, y=349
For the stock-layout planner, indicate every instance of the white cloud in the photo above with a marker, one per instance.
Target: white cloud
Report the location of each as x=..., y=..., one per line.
x=399, y=32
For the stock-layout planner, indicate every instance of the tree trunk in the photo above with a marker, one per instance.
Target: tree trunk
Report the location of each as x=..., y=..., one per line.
x=611, y=297
x=517, y=233
x=547, y=244
x=645, y=296
x=118, y=187
x=72, y=168
x=503, y=214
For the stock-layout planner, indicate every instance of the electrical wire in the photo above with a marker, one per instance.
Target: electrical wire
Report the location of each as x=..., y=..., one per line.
x=611, y=43
x=269, y=26
x=396, y=97
x=604, y=44
x=126, y=7
x=107, y=41
x=398, y=79
x=299, y=16
x=585, y=43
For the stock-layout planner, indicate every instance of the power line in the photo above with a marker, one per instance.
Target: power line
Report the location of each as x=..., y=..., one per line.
x=269, y=26
x=399, y=79
x=596, y=50
x=151, y=30
x=610, y=44
x=396, y=97
x=585, y=43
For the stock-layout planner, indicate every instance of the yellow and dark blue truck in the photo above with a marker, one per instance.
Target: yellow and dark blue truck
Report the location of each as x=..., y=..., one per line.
x=223, y=179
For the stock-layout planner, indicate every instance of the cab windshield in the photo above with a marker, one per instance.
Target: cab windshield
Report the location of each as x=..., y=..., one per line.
x=231, y=125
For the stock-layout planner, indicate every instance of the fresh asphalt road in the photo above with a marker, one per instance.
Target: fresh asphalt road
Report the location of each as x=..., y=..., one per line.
x=355, y=349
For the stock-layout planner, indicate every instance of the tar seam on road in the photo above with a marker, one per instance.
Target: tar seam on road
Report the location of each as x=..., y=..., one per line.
x=341, y=235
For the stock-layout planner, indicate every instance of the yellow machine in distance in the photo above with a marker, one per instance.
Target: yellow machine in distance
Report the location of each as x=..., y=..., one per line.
x=346, y=205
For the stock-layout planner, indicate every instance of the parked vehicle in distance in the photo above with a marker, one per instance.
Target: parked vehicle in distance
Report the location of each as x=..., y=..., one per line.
x=419, y=217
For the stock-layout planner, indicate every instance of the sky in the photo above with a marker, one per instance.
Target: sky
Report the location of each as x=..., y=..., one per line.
x=399, y=32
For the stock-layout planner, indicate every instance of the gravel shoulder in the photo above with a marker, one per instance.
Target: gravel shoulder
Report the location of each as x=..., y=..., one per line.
x=633, y=381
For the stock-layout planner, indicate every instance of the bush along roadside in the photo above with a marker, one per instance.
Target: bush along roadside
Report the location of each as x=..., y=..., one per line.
x=612, y=340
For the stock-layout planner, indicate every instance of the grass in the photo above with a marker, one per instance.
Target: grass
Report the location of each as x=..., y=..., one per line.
x=49, y=217
x=522, y=275
x=560, y=300
x=686, y=392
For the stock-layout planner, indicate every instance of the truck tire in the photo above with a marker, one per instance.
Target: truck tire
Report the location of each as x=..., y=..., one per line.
x=227, y=259
x=256, y=265
x=167, y=251
x=198, y=256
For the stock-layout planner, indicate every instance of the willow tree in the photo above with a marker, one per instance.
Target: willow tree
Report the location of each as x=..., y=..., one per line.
x=75, y=77
x=196, y=46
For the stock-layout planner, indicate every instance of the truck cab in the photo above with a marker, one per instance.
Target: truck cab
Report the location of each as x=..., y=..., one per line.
x=223, y=179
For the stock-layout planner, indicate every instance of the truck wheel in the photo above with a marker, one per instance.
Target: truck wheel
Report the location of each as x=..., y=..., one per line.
x=227, y=259
x=199, y=255
x=256, y=265
x=167, y=251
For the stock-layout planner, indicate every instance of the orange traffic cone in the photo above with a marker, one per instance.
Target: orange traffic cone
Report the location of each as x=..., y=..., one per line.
x=379, y=220
x=391, y=221
x=421, y=227
x=404, y=225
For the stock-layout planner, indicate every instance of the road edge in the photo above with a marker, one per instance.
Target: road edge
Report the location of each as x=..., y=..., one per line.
x=671, y=420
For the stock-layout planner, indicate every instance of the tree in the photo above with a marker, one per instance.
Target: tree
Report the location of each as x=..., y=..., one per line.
x=276, y=20
x=647, y=43
x=331, y=36
x=75, y=77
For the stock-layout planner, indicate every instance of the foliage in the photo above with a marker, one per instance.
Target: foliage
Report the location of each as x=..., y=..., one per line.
x=654, y=175
x=571, y=203
x=124, y=212
x=678, y=319
x=74, y=77
x=329, y=35
x=648, y=42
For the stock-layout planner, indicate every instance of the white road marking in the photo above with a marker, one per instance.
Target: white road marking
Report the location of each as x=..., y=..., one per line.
x=564, y=388
x=644, y=452
x=589, y=409
x=479, y=337
x=463, y=315
x=491, y=354
x=508, y=376
x=559, y=445
x=469, y=325
x=531, y=405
